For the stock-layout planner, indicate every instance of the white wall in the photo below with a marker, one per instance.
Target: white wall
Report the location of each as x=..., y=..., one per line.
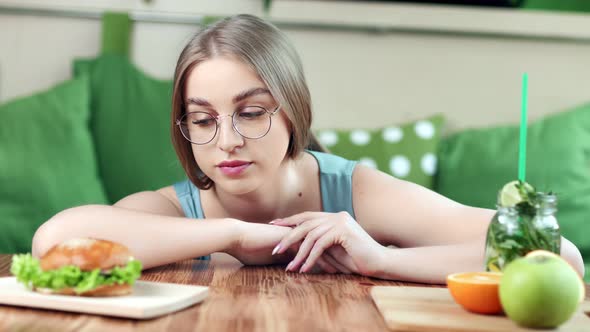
x=357, y=79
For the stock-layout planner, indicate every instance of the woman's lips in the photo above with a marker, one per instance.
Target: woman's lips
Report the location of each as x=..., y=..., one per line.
x=234, y=170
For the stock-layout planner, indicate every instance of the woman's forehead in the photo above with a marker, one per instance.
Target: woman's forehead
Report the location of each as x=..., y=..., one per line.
x=222, y=78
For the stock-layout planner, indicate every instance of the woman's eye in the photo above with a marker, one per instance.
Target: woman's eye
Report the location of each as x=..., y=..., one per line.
x=251, y=113
x=200, y=119
x=203, y=122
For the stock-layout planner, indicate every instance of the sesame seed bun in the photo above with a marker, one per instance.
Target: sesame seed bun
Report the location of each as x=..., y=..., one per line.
x=86, y=253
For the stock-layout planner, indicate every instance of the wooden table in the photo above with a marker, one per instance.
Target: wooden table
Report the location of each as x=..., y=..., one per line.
x=241, y=299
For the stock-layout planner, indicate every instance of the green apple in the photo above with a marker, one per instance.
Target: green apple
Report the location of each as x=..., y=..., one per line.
x=539, y=291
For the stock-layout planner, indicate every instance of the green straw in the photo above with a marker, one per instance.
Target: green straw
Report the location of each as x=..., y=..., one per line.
x=523, y=125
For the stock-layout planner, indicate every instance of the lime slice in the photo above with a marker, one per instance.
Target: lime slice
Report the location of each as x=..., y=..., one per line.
x=510, y=195
x=493, y=268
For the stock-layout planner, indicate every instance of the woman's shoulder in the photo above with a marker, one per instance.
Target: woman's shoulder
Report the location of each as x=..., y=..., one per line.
x=331, y=163
x=170, y=193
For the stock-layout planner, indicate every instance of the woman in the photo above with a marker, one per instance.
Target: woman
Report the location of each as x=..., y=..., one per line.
x=241, y=120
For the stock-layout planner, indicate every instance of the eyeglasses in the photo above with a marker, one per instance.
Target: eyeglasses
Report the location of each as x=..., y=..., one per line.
x=252, y=122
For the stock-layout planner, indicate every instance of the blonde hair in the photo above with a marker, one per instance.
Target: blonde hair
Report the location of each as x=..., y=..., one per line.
x=269, y=53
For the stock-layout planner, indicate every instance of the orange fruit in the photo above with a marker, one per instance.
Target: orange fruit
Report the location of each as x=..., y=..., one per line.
x=476, y=291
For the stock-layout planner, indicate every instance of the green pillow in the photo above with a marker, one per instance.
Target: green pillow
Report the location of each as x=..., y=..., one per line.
x=407, y=151
x=131, y=126
x=558, y=5
x=47, y=161
x=475, y=164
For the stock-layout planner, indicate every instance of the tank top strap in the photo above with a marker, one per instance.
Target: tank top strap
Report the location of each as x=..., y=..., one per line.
x=335, y=182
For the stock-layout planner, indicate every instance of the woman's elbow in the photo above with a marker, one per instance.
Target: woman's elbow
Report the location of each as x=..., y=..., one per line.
x=572, y=255
x=53, y=231
x=46, y=235
x=42, y=238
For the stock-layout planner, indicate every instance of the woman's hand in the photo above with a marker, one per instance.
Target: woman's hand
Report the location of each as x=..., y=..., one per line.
x=336, y=234
x=254, y=243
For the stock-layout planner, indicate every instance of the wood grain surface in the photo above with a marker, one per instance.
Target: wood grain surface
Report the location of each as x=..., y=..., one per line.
x=422, y=309
x=241, y=299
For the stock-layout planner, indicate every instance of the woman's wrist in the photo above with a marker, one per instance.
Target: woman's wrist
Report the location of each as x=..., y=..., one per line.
x=234, y=235
x=384, y=261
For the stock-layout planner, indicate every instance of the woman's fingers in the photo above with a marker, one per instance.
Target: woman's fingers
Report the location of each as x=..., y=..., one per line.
x=323, y=243
x=326, y=266
x=333, y=262
x=341, y=256
x=295, y=235
x=306, y=246
x=296, y=219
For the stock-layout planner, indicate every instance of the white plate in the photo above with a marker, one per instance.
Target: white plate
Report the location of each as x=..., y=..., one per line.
x=148, y=300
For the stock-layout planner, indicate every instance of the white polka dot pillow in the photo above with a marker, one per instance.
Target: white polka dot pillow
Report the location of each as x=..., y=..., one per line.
x=407, y=151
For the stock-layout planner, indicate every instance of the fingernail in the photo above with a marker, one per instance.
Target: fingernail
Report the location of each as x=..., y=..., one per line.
x=276, y=249
x=289, y=266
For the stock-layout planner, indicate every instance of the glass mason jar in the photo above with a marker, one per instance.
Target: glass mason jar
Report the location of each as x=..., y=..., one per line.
x=515, y=231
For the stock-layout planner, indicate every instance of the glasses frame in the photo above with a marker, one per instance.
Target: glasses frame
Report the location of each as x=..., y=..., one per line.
x=233, y=123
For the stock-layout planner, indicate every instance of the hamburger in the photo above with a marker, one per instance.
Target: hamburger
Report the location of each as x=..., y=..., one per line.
x=80, y=266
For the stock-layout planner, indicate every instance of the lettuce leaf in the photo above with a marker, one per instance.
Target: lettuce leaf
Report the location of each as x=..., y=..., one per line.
x=27, y=270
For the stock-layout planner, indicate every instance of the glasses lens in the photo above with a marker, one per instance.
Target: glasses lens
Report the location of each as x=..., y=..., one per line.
x=252, y=122
x=198, y=127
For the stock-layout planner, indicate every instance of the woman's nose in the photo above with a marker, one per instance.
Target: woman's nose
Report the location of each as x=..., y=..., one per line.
x=229, y=138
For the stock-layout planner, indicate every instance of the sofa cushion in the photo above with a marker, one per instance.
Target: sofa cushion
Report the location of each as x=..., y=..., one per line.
x=131, y=126
x=406, y=151
x=475, y=164
x=47, y=161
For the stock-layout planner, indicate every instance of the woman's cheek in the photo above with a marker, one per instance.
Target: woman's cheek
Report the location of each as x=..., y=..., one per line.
x=204, y=163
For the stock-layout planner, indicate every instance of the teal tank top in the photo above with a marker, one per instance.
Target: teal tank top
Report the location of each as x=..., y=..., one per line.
x=335, y=187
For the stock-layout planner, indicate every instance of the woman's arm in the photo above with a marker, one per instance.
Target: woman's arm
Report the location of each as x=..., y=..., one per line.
x=432, y=264
x=149, y=223
x=153, y=239
x=401, y=213
x=437, y=236
x=152, y=225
